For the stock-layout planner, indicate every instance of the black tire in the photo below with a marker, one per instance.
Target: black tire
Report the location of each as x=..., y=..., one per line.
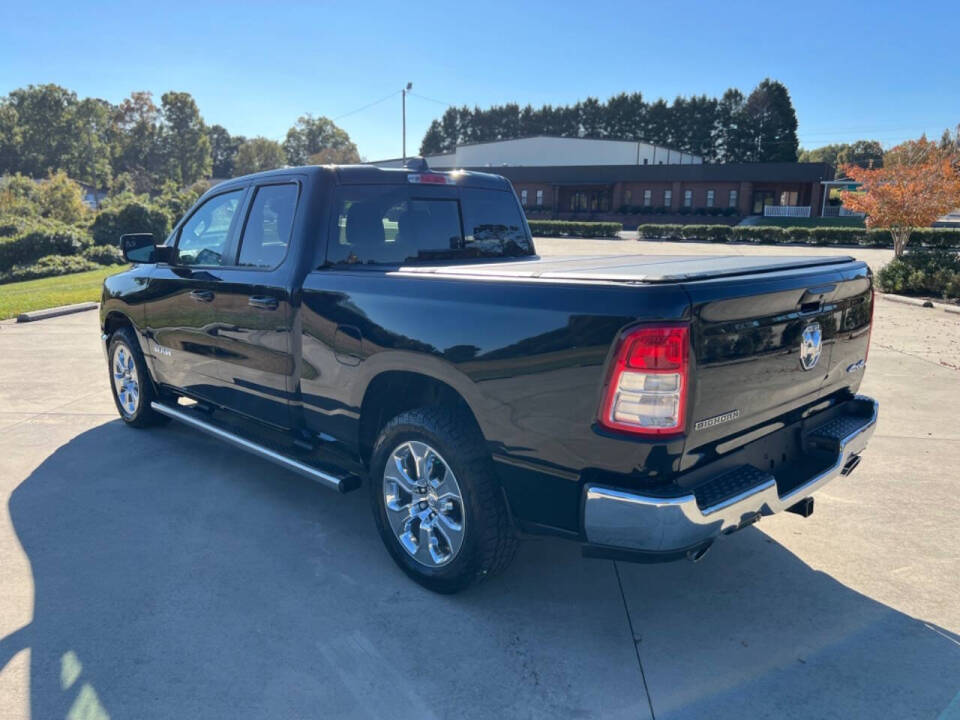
x=489, y=540
x=144, y=415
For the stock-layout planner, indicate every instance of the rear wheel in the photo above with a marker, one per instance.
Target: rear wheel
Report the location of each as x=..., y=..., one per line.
x=130, y=381
x=436, y=501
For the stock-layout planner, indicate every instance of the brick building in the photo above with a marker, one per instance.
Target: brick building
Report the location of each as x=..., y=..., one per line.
x=635, y=182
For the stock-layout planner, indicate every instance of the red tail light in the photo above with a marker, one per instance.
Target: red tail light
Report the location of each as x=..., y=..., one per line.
x=431, y=179
x=646, y=392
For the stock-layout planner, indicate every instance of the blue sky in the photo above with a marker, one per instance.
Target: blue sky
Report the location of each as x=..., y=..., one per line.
x=883, y=70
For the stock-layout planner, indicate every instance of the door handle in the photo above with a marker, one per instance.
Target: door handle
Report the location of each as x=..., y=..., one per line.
x=263, y=302
x=201, y=295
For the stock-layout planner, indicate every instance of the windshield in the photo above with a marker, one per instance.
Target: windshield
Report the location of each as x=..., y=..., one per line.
x=392, y=224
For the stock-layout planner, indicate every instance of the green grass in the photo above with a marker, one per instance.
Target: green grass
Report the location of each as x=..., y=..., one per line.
x=19, y=297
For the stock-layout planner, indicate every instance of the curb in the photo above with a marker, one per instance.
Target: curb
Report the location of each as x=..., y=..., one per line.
x=55, y=312
x=917, y=302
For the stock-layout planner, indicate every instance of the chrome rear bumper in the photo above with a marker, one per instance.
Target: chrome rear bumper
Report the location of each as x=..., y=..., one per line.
x=615, y=518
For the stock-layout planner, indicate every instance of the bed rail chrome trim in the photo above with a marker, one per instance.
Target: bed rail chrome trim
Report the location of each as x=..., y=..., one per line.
x=618, y=518
x=326, y=479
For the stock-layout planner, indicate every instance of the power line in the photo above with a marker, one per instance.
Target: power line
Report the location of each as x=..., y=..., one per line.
x=368, y=105
x=424, y=97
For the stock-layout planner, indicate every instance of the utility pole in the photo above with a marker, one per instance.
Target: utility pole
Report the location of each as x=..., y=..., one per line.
x=403, y=94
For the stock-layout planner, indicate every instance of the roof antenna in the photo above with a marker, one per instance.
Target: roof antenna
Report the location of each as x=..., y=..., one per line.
x=416, y=164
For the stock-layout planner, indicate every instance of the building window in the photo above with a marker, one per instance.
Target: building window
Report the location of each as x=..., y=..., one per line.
x=523, y=198
x=645, y=161
x=539, y=198
x=789, y=198
x=627, y=197
x=647, y=198
x=710, y=195
x=667, y=198
x=688, y=198
x=578, y=201
x=733, y=199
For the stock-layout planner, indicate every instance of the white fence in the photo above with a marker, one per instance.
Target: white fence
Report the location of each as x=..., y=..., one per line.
x=786, y=211
x=839, y=211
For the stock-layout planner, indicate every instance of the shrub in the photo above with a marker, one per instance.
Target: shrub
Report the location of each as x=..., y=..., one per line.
x=130, y=214
x=47, y=267
x=575, y=228
x=707, y=233
x=758, y=234
x=924, y=272
x=654, y=231
x=103, y=254
x=11, y=225
x=39, y=239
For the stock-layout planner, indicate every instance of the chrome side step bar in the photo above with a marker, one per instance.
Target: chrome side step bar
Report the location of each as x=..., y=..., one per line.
x=341, y=484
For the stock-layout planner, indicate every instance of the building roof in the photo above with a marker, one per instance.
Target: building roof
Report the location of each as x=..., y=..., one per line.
x=609, y=174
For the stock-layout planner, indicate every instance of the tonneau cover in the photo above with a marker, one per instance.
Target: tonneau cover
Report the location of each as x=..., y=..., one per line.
x=630, y=268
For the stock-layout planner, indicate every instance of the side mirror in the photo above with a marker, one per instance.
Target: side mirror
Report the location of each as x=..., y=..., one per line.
x=141, y=248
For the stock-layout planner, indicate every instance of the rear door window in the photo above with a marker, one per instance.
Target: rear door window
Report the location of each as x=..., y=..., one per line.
x=392, y=224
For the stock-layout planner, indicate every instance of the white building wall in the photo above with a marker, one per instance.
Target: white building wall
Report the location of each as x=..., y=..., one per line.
x=553, y=151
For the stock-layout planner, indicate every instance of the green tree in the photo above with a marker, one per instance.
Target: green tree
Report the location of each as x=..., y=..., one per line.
x=44, y=118
x=10, y=138
x=95, y=138
x=138, y=153
x=223, y=150
x=312, y=135
x=183, y=141
x=60, y=198
x=258, y=154
x=433, y=141
x=772, y=122
x=865, y=153
x=18, y=195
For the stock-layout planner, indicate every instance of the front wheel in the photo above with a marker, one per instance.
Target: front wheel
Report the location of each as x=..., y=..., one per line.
x=436, y=500
x=130, y=381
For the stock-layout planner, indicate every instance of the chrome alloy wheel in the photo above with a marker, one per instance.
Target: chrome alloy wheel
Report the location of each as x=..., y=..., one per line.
x=424, y=504
x=125, y=380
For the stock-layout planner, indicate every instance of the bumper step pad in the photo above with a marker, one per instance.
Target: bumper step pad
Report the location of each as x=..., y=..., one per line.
x=730, y=484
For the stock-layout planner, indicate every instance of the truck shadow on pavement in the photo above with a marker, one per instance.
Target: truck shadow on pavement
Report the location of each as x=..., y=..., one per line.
x=176, y=577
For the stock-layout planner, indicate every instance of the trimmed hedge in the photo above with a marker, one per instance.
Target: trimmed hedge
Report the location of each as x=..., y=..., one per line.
x=39, y=239
x=103, y=254
x=575, y=228
x=922, y=272
x=922, y=237
x=47, y=267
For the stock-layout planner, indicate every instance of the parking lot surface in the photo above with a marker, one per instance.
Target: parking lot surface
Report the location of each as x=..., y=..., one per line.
x=157, y=574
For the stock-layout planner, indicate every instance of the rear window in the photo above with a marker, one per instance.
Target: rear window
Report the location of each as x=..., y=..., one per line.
x=393, y=224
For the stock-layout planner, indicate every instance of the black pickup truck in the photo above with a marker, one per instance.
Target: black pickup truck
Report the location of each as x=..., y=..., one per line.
x=396, y=327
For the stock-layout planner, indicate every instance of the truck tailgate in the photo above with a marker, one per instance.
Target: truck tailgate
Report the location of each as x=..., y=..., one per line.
x=747, y=337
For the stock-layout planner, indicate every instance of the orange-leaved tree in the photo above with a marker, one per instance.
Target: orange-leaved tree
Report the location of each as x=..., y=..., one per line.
x=920, y=181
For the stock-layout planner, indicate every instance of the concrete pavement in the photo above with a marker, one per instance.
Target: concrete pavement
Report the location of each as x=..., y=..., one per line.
x=159, y=573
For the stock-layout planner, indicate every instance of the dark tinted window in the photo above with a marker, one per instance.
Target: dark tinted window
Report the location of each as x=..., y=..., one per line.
x=203, y=238
x=389, y=224
x=493, y=225
x=395, y=223
x=267, y=232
